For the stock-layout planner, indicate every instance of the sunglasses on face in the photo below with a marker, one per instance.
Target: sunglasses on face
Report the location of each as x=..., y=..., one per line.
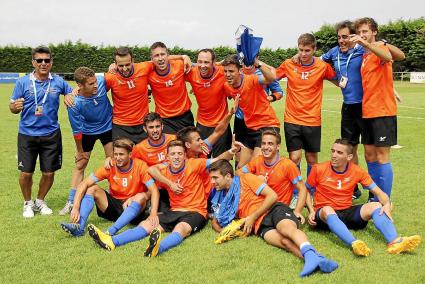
x=41, y=60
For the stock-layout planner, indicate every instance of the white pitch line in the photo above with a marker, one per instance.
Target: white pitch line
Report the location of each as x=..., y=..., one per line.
x=400, y=106
x=398, y=116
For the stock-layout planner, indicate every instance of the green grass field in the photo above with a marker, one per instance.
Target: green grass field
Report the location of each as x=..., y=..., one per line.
x=36, y=250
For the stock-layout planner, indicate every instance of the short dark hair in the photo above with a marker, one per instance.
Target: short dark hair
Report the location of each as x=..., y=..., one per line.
x=210, y=51
x=81, y=74
x=184, y=133
x=175, y=143
x=124, y=143
x=123, y=51
x=366, y=21
x=345, y=142
x=232, y=59
x=307, y=39
x=345, y=24
x=272, y=132
x=40, y=49
x=151, y=117
x=223, y=167
x=156, y=45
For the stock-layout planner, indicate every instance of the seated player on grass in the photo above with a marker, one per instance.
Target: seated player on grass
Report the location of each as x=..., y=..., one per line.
x=128, y=183
x=334, y=182
x=250, y=199
x=183, y=179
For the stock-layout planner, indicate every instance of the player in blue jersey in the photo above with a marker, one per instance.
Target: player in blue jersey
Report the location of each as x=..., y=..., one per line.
x=91, y=119
x=36, y=98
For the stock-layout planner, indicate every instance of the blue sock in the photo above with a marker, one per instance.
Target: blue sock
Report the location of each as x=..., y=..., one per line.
x=385, y=177
x=308, y=170
x=129, y=236
x=129, y=214
x=372, y=168
x=384, y=225
x=172, y=240
x=295, y=189
x=311, y=259
x=86, y=207
x=71, y=195
x=339, y=229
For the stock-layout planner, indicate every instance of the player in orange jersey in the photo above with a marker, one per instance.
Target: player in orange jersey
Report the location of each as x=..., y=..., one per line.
x=128, y=192
x=333, y=210
x=258, y=113
x=302, y=119
x=169, y=91
x=207, y=81
x=379, y=106
x=249, y=198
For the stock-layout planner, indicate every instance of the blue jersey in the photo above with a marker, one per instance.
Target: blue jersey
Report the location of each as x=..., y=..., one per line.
x=273, y=87
x=91, y=115
x=47, y=97
x=353, y=91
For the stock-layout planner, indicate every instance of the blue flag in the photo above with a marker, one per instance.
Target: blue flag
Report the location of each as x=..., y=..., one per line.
x=247, y=45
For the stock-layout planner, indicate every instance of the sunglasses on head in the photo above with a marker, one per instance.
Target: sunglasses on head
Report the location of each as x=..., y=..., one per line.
x=41, y=60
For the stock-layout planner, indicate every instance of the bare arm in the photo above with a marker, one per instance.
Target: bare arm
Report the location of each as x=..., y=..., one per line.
x=216, y=226
x=268, y=71
x=373, y=47
x=396, y=53
x=384, y=200
x=153, y=189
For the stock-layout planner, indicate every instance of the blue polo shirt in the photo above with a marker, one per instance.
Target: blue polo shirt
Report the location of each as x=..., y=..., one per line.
x=47, y=123
x=273, y=87
x=91, y=115
x=353, y=91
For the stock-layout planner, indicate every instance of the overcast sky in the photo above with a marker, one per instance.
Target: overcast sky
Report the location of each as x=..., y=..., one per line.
x=190, y=24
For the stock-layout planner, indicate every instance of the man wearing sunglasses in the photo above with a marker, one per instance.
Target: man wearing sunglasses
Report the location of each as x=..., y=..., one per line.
x=36, y=98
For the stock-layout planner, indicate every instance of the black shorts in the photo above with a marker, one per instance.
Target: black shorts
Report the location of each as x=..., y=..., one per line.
x=380, y=131
x=240, y=130
x=48, y=148
x=174, y=124
x=223, y=143
x=253, y=137
x=88, y=141
x=277, y=213
x=302, y=137
x=169, y=219
x=164, y=200
x=115, y=209
x=135, y=133
x=351, y=122
x=350, y=217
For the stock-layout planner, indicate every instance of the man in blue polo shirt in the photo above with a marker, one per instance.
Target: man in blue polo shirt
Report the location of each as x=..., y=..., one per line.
x=91, y=119
x=36, y=97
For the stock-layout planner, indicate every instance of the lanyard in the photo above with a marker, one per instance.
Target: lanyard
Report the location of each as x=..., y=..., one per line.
x=346, y=65
x=35, y=91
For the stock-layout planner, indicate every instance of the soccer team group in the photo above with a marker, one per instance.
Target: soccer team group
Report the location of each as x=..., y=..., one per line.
x=165, y=174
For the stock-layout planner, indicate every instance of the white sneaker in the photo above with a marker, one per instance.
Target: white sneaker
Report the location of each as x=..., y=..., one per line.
x=28, y=209
x=66, y=209
x=293, y=203
x=41, y=206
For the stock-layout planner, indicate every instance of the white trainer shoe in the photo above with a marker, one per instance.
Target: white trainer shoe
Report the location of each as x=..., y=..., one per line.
x=66, y=209
x=28, y=211
x=42, y=208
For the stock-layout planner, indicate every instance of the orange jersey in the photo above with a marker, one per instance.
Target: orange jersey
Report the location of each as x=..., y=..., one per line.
x=378, y=89
x=258, y=112
x=280, y=176
x=130, y=95
x=304, y=91
x=150, y=153
x=210, y=96
x=169, y=91
x=192, y=198
x=250, y=199
x=123, y=185
x=336, y=189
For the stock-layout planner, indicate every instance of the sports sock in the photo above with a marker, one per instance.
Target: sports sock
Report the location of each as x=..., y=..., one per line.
x=129, y=214
x=295, y=189
x=128, y=236
x=339, y=229
x=385, y=177
x=86, y=207
x=372, y=168
x=311, y=259
x=71, y=195
x=170, y=241
x=384, y=225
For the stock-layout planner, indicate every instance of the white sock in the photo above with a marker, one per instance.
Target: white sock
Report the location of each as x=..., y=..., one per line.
x=38, y=201
x=304, y=244
x=29, y=202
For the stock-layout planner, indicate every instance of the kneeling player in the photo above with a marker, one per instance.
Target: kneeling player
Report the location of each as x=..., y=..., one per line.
x=255, y=202
x=127, y=195
x=334, y=182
